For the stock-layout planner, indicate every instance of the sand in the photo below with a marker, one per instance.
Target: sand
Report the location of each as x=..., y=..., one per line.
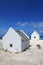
x=32, y=56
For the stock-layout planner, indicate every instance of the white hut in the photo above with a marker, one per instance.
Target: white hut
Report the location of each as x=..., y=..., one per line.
x=15, y=41
x=35, y=36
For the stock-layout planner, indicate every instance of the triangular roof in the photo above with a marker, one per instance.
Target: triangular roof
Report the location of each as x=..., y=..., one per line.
x=10, y=30
x=19, y=33
x=36, y=33
x=23, y=35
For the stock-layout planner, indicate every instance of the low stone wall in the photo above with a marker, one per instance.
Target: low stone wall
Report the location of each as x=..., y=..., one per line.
x=35, y=42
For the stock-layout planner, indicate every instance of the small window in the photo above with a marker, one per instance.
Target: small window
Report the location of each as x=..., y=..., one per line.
x=34, y=37
x=10, y=45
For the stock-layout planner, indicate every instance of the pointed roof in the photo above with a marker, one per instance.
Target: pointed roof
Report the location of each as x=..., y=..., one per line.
x=12, y=31
x=35, y=33
x=20, y=34
x=23, y=35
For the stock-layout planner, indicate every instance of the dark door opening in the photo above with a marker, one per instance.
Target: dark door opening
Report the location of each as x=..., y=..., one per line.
x=10, y=45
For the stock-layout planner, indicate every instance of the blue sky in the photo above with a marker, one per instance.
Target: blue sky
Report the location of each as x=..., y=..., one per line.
x=21, y=14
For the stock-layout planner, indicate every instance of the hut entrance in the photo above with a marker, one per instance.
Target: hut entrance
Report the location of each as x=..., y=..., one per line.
x=11, y=45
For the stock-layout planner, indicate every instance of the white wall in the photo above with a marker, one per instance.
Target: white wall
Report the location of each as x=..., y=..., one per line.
x=1, y=46
x=34, y=43
x=37, y=37
x=25, y=45
x=12, y=38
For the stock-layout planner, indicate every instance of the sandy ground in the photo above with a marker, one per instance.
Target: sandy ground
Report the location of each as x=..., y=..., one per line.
x=32, y=56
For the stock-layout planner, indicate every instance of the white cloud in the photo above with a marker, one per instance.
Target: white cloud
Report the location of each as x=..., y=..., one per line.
x=41, y=31
x=31, y=24
x=39, y=24
x=18, y=23
x=34, y=25
x=22, y=24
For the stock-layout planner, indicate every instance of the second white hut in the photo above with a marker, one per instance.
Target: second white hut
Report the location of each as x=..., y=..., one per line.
x=35, y=36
